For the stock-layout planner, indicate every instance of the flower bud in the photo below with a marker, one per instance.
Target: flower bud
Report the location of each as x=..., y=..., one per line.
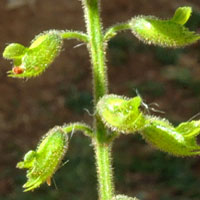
x=35, y=59
x=121, y=114
x=43, y=162
x=179, y=141
x=166, y=33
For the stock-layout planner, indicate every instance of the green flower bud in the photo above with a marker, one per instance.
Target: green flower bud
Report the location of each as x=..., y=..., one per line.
x=35, y=59
x=179, y=141
x=121, y=114
x=166, y=33
x=43, y=162
x=123, y=197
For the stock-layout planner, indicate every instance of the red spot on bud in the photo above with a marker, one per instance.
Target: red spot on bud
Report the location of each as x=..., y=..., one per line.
x=17, y=70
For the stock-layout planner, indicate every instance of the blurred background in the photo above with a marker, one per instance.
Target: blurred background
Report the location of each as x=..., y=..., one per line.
x=29, y=108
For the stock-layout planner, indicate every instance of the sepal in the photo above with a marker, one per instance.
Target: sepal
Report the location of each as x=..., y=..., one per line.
x=14, y=51
x=178, y=141
x=182, y=15
x=165, y=33
x=120, y=113
x=43, y=163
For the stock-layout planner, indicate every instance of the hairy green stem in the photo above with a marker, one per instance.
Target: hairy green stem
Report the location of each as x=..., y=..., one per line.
x=70, y=128
x=112, y=31
x=96, y=47
x=103, y=155
x=74, y=35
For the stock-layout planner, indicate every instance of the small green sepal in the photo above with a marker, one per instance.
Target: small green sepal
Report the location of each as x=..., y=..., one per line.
x=121, y=114
x=42, y=163
x=14, y=51
x=182, y=15
x=165, y=33
x=123, y=197
x=178, y=141
x=34, y=60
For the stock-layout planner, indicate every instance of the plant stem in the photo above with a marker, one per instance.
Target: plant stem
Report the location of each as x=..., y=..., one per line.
x=100, y=88
x=105, y=174
x=70, y=128
x=74, y=35
x=112, y=31
x=96, y=47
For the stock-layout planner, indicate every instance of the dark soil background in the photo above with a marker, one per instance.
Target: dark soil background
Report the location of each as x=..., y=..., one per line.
x=29, y=108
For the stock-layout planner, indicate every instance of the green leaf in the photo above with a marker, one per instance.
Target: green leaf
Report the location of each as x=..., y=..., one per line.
x=178, y=141
x=182, y=15
x=42, y=163
x=166, y=33
x=121, y=114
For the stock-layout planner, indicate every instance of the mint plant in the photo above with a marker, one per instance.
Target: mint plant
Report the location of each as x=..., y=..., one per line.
x=113, y=114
